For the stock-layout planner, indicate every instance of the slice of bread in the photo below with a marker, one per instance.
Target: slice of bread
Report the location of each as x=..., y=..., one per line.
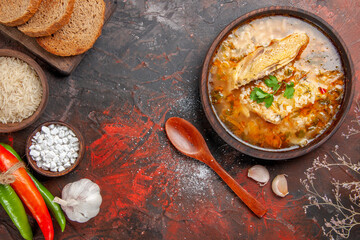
x=17, y=12
x=50, y=17
x=80, y=33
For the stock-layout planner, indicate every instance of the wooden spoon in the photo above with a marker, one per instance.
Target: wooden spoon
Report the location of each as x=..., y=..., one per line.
x=188, y=140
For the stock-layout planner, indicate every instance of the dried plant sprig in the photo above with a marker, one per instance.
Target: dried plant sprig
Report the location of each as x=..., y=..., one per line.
x=347, y=208
x=351, y=129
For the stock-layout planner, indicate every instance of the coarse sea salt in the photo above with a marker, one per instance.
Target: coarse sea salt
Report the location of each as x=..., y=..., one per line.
x=54, y=148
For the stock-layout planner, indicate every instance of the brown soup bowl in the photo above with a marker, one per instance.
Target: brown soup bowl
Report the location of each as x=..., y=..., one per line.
x=287, y=153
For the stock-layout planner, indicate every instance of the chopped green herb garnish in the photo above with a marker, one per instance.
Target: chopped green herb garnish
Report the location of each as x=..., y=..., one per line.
x=228, y=111
x=288, y=72
x=216, y=96
x=259, y=96
x=253, y=94
x=272, y=82
x=289, y=91
x=269, y=100
x=300, y=133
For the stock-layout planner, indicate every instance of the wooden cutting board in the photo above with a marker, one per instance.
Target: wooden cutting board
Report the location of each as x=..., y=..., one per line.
x=64, y=65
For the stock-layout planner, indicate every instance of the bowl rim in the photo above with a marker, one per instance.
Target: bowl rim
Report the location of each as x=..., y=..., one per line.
x=13, y=127
x=288, y=153
x=48, y=173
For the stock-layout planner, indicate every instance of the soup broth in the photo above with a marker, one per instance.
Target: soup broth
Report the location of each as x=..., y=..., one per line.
x=286, y=102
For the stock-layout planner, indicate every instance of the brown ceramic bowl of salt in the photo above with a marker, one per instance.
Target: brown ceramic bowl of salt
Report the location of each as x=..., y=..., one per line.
x=55, y=148
x=24, y=91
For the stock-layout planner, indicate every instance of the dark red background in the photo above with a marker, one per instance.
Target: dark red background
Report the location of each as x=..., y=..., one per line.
x=145, y=68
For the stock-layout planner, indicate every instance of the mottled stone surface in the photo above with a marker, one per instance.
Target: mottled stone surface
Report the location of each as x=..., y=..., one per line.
x=145, y=68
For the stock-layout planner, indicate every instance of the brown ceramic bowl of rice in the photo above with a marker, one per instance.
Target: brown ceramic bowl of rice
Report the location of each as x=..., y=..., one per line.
x=24, y=91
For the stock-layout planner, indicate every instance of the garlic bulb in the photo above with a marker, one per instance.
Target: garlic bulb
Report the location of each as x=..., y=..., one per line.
x=260, y=174
x=279, y=185
x=81, y=200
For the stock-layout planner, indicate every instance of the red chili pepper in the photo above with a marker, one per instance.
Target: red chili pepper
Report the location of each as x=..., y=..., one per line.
x=322, y=90
x=28, y=193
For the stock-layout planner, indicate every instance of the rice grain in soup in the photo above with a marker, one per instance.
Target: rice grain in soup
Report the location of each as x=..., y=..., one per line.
x=267, y=116
x=20, y=90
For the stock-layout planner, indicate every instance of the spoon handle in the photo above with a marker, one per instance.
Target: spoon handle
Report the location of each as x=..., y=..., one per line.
x=246, y=197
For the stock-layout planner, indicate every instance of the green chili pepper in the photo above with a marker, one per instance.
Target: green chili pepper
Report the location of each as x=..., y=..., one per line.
x=54, y=208
x=16, y=211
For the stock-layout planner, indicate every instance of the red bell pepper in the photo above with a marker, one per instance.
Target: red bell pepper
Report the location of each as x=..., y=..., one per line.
x=322, y=90
x=28, y=193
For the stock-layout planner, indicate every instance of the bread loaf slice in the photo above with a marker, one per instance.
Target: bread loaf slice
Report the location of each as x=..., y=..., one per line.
x=50, y=17
x=80, y=33
x=17, y=12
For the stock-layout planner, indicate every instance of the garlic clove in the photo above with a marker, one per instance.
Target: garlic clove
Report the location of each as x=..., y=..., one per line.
x=260, y=174
x=279, y=185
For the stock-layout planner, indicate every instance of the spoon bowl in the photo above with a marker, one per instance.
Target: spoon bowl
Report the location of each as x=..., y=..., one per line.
x=183, y=136
x=189, y=141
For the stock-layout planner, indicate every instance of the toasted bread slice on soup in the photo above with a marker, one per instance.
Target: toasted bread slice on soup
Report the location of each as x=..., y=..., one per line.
x=265, y=60
x=80, y=33
x=50, y=17
x=17, y=12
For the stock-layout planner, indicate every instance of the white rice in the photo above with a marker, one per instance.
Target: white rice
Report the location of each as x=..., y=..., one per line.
x=20, y=90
